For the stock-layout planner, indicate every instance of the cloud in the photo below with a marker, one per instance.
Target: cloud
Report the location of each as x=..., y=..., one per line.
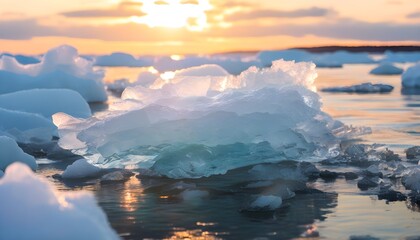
x=339, y=29
x=23, y=29
x=414, y=15
x=266, y=13
x=124, y=9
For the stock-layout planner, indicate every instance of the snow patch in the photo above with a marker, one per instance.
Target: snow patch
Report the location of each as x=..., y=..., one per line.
x=32, y=209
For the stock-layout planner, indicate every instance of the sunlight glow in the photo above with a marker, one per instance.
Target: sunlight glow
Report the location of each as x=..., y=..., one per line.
x=175, y=14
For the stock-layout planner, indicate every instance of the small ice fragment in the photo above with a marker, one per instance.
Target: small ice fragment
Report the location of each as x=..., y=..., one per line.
x=265, y=203
x=80, y=169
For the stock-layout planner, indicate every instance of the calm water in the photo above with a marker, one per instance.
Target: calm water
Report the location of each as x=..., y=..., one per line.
x=151, y=208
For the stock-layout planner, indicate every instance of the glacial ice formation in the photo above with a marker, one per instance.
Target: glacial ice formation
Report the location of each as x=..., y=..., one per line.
x=195, y=126
x=46, y=102
x=361, y=88
x=386, y=69
x=118, y=59
x=10, y=152
x=32, y=209
x=411, y=77
x=60, y=67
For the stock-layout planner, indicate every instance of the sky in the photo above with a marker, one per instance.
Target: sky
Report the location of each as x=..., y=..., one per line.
x=204, y=26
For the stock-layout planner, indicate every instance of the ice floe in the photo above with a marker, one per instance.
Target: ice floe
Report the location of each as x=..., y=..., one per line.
x=361, y=88
x=80, y=169
x=60, y=67
x=411, y=77
x=386, y=69
x=10, y=152
x=46, y=102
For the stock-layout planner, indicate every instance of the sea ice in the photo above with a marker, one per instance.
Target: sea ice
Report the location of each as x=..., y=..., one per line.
x=119, y=59
x=413, y=153
x=80, y=169
x=411, y=179
x=386, y=69
x=32, y=209
x=411, y=77
x=117, y=176
x=265, y=203
x=60, y=67
x=204, y=125
x=46, y=102
x=401, y=57
x=334, y=59
x=26, y=127
x=361, y=88
x=10, y=152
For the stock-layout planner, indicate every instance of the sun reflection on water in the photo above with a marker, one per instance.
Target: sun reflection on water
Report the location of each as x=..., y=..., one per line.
x=129, y=198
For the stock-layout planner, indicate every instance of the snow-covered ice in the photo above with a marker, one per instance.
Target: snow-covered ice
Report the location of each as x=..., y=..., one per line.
x=411, y=77
x=60, y=67
x=80, y=169
x=26, y=127
x=46, y=102
x=386, y=69
x=10, y=152
x=32, y=209
x=361, y=88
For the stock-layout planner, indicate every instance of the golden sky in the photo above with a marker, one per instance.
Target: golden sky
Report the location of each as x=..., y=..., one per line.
x=203, y=26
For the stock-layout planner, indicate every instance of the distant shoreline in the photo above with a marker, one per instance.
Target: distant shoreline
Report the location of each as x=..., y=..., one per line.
x=369, y=49
x=328, y=49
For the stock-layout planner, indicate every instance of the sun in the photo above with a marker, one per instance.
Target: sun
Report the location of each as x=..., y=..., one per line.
x=190, y=14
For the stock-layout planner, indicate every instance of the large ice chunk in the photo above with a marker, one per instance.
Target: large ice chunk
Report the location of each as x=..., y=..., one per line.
x=10, y=152
x=194, y=126
x=46, y=102
x=32, y=209
x=60, y=67
x=411, y=77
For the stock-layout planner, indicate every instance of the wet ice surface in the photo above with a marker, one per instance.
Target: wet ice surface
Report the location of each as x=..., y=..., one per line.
x=216, y=207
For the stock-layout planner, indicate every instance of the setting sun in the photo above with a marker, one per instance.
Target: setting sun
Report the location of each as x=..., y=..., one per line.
x=175, y=14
